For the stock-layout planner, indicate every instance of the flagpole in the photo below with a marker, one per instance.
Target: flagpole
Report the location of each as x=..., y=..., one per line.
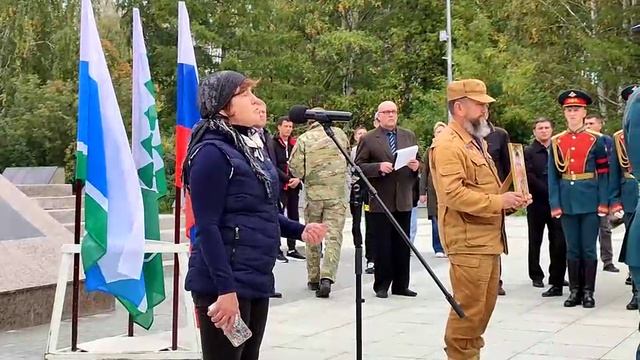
x=76, y=266
x=176, y=269
x=130, y=327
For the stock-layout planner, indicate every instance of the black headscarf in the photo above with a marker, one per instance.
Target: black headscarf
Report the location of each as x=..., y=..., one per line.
x=214, y=94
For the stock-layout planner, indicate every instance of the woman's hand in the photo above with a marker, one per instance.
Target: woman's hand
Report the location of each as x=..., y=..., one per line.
x=314, y=233
x=224, y=311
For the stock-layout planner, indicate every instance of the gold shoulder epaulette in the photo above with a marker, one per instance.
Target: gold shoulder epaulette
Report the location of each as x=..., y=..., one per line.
x=558, y=135
x=617, y=133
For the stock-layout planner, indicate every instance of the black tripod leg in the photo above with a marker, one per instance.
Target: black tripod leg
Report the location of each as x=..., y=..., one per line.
x=356, y=213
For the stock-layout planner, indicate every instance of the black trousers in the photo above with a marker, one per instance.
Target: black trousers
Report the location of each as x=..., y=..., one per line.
x=290, y=201
x=369, y=241
x=392, y=253
x=216, y=346
x=537, y=220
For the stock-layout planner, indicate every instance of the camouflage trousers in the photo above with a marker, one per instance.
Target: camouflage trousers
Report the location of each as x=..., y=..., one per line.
x=332, y=213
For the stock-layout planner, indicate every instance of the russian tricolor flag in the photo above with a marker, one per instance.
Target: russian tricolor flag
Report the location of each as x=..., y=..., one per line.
x=187, y=94
x=187, y=109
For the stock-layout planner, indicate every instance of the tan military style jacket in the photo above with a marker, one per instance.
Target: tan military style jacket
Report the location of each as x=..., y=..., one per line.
x=319, y=163
x=470, y=212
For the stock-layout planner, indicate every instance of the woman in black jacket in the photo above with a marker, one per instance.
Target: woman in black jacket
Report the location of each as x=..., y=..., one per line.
x=234, y=195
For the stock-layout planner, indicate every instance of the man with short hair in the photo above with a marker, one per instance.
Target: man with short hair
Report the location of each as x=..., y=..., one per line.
x=375, y=156
x=596, y=123
x=579, y=193
x=536, y=158
x=470, y=204
x=283, y=144
x=267, y=146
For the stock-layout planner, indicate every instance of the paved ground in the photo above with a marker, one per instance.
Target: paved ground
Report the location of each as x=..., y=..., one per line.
x=524, y=325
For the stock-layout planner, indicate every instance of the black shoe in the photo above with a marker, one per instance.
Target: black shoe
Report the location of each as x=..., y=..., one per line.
x=281, y=258
x=313, y=286
x=587, y=300
x=611, y=268
x=553, y=291
x=590, y=268
x=628, y=281
x=382, y=294
x=574, y=269
x=574, y=299
x=501, y=291
x=325, y=288
x=405, y=292
x=633, y=303
x=537, y=283
x=295, y=255
x=276, y=295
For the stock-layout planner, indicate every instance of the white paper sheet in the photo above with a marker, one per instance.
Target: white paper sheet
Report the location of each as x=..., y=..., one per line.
x=403, y=156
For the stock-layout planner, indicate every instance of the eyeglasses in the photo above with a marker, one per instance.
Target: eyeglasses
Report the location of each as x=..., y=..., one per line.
x=388, y=112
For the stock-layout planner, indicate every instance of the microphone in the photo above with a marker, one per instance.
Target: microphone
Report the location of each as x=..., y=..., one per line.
x=299, y=114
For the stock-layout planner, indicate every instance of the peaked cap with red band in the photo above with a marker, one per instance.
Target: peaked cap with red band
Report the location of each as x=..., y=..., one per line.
x=574, y=98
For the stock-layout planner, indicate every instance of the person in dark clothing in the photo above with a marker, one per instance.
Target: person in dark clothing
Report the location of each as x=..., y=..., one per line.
x=369, y=250
x=536, y=158
x=263, y=133
x=498, y=142
x=498, y=147
x=374, y=155
x=234, y=191
x=596, y=122
x=283, y=143
x=428, y=195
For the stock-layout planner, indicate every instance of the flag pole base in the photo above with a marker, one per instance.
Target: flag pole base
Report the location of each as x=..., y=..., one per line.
x=155, y=346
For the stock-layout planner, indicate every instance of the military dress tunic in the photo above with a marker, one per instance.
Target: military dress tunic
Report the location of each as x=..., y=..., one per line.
x=578, y=188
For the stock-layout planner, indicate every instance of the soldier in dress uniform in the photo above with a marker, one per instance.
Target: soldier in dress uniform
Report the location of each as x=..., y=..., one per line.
x=624, y=189
x=579, y=194
x=631, y=130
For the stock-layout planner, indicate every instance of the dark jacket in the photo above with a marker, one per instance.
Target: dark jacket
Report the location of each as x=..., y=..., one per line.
x=427, y=188
x=282, y=152
x=498, y=144
x=395, y=189
x=268, y=145
x=238, y=225
x=536, y=159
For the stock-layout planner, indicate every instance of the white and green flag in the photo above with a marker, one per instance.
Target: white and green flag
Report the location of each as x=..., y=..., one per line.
x=113, y=244
x=147, y=155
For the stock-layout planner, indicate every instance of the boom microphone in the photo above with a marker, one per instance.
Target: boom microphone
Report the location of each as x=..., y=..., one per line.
x=299, y=114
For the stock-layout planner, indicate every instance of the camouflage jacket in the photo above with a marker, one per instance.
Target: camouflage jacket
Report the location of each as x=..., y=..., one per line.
x=318, y=162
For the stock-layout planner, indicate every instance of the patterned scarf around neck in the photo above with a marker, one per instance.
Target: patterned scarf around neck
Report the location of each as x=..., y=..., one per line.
x=245, y=145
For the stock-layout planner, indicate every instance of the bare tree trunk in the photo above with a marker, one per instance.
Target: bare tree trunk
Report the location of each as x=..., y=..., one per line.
x=599, y=84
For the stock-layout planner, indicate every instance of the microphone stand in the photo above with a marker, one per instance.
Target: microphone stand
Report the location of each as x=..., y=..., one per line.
x=326, y=124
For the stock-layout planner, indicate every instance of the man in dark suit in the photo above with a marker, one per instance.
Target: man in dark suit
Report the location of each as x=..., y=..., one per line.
x=498, y=148
x=290, y=186
x=498, y=143
x=536, y=158
x=375, y=155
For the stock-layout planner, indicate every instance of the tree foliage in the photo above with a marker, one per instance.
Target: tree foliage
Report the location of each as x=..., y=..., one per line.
x=338, y=54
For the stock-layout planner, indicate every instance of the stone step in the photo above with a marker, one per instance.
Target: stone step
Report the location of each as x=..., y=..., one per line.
x=46, y=190
x=166, y=226
x=56, y=202
x=65, y=216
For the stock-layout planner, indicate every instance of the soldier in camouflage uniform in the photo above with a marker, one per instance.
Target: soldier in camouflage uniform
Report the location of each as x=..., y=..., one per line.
x=318, y=162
